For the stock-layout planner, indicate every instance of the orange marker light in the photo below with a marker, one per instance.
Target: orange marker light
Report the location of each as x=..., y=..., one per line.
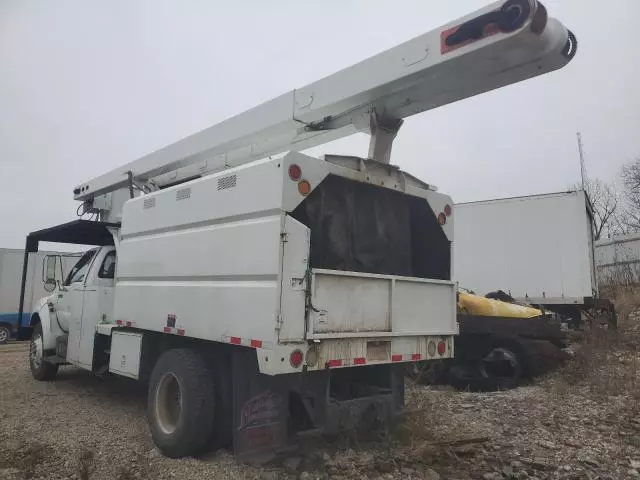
x=304, y=187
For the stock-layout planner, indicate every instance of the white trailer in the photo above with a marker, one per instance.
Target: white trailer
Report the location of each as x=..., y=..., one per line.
x=11, y=262
x=266, y=297
x=538, y=249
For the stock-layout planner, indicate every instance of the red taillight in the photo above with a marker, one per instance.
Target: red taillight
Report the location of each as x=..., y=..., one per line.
x=296, y=358
x=295, y=172
x=442, y=348
x=447, y=210
x=442, y=219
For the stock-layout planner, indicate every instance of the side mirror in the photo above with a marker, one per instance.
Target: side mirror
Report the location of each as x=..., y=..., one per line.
x=49, y=272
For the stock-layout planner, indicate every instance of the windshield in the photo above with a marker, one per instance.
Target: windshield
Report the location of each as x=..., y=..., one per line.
x=80, y=269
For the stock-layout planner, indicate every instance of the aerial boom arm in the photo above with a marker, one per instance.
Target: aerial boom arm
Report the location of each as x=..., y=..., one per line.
x=501, y=44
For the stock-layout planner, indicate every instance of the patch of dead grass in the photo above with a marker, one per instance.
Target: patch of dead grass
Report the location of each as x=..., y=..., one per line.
x=606, y=362
x=428, y=432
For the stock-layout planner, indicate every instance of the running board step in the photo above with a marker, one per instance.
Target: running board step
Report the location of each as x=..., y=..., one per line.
x=55, y=359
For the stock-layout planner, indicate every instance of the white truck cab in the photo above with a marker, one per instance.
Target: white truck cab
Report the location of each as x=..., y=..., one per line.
x=85, y=301
x=266, y=297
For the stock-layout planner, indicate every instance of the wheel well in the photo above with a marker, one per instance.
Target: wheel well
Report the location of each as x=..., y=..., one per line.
x=35, y=319
x=155, y=344
x=5, y=324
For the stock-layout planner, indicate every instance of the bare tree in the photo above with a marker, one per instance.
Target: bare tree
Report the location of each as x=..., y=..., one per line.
x=604, y=199
x=630, y=175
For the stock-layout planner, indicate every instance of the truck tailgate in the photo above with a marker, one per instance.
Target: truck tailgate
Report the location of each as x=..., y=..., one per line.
x=348, y=304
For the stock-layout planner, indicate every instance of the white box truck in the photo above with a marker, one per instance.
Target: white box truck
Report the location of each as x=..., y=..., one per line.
x=11, y=261
x=538, y=249
x=265, y=297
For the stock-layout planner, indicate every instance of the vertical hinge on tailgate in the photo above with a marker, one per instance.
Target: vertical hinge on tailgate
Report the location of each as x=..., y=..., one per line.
x=279, y=321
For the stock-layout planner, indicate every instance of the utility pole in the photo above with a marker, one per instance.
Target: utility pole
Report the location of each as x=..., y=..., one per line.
x=583, y=169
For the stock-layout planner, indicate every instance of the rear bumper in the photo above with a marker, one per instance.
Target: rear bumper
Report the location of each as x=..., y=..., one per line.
x=351, y=351
x=356, y=352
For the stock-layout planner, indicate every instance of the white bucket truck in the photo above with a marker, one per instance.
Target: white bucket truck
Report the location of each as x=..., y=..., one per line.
x=265, y=297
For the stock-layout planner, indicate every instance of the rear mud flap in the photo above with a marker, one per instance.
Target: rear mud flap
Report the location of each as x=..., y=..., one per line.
x=260, y=411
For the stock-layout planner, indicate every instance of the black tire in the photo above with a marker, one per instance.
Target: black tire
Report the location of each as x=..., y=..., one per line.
x=41, y=370
x=223, y=428
x=181, y=403
x=5, y=334
x=509, y=367
x=505, y=373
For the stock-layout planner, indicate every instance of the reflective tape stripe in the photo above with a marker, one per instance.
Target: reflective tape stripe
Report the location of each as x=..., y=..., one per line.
x=407, y=357
x=248, y=342
x=175, y=331
x=398, y=357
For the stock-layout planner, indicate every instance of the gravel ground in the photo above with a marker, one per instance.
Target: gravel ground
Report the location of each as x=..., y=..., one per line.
x=84, y=428
x=79, y=426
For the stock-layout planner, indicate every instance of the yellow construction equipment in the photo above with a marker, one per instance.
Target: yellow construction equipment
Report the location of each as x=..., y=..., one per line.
x=470, y=304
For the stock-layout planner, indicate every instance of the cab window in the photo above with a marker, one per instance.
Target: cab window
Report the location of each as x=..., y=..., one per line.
x=108, y=267
x=80, y=269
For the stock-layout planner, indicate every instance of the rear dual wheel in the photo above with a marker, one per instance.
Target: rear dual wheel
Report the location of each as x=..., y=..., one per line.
x=186, y=413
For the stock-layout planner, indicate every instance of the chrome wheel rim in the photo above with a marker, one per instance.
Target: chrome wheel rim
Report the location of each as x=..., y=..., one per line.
x=4, y=335
x=168, y=403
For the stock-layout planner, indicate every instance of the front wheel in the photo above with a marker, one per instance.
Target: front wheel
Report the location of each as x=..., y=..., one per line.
x=40, y=368
x=181, y=403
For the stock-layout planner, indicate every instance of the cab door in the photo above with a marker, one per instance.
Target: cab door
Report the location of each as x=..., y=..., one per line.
x=97, y=305
x=70, y=303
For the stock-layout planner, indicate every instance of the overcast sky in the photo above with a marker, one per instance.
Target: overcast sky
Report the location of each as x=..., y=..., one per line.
x=86, y=86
